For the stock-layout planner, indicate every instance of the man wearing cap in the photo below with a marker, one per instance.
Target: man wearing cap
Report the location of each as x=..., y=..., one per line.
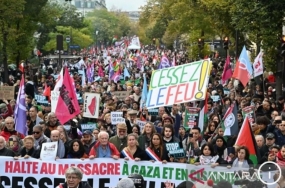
x=120, y=140
x=88, y=140
x=132, y=116
x=269, y=141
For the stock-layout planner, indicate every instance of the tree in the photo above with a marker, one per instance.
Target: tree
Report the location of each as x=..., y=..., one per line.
x=63, y=15
x=78, y=37
x=108, y=25
x=10, y=12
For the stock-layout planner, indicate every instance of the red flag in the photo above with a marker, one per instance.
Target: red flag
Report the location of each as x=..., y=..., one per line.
x=47, y=91
x=67, y=106
x=227, y=73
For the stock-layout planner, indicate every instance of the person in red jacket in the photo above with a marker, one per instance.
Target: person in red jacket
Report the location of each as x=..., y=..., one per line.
x=103, y=148
x=271, y=77
x=9, y=129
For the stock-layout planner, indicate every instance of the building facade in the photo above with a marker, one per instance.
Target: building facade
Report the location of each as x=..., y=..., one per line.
x=85, y=6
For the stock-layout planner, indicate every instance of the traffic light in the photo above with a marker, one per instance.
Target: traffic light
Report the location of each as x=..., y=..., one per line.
x=226, y=43
x=200, y=43
x=67, y=0
x=283, y=46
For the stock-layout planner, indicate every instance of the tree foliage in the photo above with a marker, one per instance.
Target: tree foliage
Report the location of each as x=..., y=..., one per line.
x=257, y=22
x=79, y=37
x=63, y=15
x=108, y=25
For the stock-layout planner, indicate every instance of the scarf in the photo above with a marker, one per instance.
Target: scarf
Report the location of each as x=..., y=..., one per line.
x=244, y=163
x=205, y=160
x=39, y=141
x=101, y=153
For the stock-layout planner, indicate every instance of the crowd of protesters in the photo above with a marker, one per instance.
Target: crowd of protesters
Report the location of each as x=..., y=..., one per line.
x=167, y=126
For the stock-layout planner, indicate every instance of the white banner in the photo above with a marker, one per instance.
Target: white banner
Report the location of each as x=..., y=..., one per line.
x=91, y=105
x=105, y=173
x=54, y=100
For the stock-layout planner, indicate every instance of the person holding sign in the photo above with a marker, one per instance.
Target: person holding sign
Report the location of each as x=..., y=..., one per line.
x=157, y=150
x=133, y=151
x=103, y=148
x=168, y=135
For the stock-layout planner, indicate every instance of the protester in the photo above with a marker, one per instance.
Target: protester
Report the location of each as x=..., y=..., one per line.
x=74, y=177
x=143, y=133
x=133, y=151
x=3, y=150
x=76, y=150
x=103, y=148
x=28, y=150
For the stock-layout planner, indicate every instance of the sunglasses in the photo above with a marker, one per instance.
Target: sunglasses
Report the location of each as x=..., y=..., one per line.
x=36, y=132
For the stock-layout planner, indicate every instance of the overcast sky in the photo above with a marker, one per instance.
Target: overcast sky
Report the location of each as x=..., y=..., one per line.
x=125, y=5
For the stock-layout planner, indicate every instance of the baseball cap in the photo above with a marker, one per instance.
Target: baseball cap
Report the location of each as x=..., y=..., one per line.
x=87, y=132
x=270, y=135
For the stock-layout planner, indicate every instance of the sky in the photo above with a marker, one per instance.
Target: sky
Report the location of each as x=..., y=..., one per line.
x=125, y=5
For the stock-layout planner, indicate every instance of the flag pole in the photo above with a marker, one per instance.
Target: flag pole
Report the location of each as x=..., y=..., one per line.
x=263, y=82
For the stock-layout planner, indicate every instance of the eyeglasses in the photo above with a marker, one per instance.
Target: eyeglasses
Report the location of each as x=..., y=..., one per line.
x=36, y=132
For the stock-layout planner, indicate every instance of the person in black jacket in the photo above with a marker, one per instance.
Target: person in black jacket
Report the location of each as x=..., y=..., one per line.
x=28, y=150
x=3, y=150
x=73, y=177
x=30, y=87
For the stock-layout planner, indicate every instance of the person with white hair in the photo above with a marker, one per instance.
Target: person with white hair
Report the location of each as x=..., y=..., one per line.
x=3, y=150
x=126, y=183
x=103, y=148
x=74, y=177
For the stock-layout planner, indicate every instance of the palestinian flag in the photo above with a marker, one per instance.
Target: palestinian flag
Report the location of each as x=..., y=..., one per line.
x=246, y=138
x=230, y=121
